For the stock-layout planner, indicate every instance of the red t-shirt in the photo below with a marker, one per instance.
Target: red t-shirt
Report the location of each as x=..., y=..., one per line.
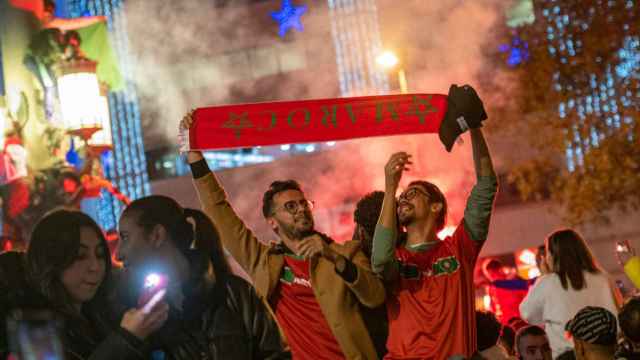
x=300, y=316
x=432, y=308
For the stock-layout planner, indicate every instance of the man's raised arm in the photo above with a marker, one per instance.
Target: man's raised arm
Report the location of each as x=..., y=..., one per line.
x=477, y=214
x=236, y=237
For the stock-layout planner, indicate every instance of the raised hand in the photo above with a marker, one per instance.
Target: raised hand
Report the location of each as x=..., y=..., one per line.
x=183, y=137
x=397, y=163
x=142, y=324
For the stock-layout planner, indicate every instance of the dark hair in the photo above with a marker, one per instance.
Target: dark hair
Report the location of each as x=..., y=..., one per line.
x=629, y=319
x=162, y=210
x=529, y=330
x=368, y=211
x=508, y=336
x=275, y=188
x=435, y=196
x=571, y=258
x=540, y=255
x=54, y=246
x=488, y=329
x=493, y=264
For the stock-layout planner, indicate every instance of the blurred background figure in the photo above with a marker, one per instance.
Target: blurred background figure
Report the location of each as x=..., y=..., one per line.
x=628, y=259
x=488, y=330
x=365, y=216
x=532, y=344
x=629, y=320
x=507, y=339
x=507, y=289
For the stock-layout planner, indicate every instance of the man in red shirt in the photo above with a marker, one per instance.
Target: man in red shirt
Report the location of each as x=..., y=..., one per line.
x=314, y=285
x=431, y=305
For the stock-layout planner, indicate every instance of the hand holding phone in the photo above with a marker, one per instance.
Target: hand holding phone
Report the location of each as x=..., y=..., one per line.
x=624, y=252
x=154, y=284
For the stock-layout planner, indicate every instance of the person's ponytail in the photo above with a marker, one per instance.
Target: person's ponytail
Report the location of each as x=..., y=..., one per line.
x=207, y=240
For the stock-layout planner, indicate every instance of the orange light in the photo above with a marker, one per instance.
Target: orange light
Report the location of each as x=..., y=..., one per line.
x=486, y=301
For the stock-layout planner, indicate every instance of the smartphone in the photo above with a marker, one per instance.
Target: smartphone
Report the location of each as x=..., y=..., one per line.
x=622, y=247
x=35, y=335
x=153, y=290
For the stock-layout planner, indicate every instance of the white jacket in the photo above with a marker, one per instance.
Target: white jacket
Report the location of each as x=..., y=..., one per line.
x=548, y=304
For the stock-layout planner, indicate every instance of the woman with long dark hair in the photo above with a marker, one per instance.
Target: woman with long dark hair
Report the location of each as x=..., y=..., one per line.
x=574, y=282
x=66, y=272
x=213, y=313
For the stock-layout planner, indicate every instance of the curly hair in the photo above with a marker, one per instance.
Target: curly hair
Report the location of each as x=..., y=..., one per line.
x=368, y=211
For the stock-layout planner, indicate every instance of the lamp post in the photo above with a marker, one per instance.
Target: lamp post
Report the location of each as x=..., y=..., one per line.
x=388, y=61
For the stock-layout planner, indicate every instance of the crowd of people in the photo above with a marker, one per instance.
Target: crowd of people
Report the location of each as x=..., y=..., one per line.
x=395, y=291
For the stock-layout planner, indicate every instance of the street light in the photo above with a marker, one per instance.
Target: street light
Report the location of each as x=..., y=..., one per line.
x=388, y=61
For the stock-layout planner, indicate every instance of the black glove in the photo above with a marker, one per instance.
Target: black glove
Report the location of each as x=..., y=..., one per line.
x=464, y=111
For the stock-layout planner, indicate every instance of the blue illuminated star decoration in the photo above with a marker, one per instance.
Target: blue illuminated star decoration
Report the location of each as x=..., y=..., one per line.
x=518, y=51
x=289, y=17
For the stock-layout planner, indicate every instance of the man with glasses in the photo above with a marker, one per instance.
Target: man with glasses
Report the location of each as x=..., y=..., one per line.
x=313, y=284
x=431, y=298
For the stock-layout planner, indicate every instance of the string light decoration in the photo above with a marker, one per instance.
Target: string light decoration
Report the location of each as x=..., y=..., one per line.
x=126, y=165
x=289, y=17
x=356, y=38
x=610, y=91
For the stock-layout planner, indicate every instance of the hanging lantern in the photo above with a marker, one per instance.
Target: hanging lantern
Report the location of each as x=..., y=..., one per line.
x=102, y=140
x=79, y=92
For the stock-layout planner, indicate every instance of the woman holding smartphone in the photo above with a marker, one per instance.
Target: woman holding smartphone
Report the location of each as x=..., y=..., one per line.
x=213, y=313
x=67, y=271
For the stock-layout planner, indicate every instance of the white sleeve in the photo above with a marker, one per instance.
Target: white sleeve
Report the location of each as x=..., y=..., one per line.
x=532, y=307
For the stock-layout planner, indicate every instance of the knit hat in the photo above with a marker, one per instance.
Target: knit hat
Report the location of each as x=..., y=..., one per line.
x=594, y=325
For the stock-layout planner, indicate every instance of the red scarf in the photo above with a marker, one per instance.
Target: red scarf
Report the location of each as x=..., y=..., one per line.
x=287, y=122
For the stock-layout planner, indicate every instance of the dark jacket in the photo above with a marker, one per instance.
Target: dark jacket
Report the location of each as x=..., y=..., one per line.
x=95, y=339
x=221, y=318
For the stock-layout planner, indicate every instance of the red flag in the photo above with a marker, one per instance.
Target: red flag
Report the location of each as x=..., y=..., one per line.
x=34, y=6
x=305, y=121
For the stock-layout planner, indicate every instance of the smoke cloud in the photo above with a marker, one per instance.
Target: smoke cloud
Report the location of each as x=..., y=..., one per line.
x=189, y=54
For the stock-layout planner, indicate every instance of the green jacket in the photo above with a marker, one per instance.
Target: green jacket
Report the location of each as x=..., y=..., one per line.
x=338, y=299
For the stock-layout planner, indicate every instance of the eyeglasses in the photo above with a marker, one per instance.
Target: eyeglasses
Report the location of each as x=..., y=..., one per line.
x=410, y=193
x=293, y=206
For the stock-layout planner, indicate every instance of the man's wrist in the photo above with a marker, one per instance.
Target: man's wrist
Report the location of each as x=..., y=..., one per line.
x=194, y=156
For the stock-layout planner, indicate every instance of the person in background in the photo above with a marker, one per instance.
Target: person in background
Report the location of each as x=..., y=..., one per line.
x=488, y=330
x=507, y=339
x=532, y=344
x=67, y=271
x=507, y=292
x=213, y=313
x=629, y=320
x=627, y=258
x=575, y=281
x=594, y=331
x=365, y=217
x=541, y=260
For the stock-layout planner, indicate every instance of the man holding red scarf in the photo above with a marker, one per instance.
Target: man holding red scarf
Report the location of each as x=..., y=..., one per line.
x=314, y=285
x=431, y=302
